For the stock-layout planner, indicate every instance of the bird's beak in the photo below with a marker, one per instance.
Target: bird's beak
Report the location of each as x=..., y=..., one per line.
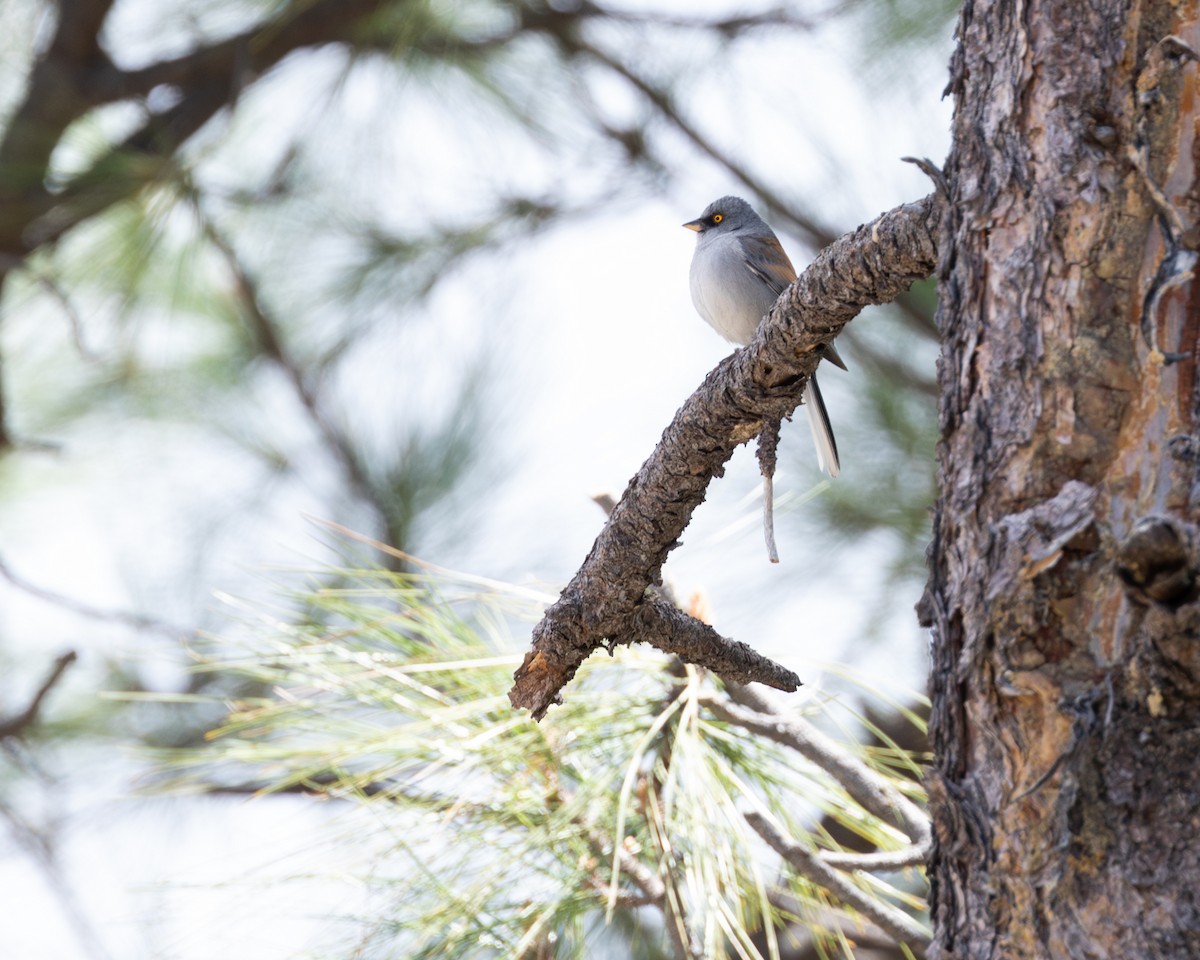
x=696, y=225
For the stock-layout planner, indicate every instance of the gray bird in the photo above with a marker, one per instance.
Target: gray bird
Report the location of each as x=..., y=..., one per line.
x=739, y=270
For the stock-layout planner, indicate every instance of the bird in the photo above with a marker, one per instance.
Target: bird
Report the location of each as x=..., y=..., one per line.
x=739, y=269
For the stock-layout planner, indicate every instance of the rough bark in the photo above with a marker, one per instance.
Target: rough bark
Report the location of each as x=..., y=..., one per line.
x=607, y=600
x=1066, y=679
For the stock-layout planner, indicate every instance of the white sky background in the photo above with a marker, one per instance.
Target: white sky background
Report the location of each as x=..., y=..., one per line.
x=598, y=346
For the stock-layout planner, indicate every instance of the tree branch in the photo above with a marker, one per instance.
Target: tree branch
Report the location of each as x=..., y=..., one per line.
x=256, y=49
x=864, y=935
x=808, y=864
x=75, y=75
x=815, y=233
x=883, y=860
x=605, y=603
x=16, y=725
x=663, y=625
x=269, y=342
x=864, y=785
x=61, y=89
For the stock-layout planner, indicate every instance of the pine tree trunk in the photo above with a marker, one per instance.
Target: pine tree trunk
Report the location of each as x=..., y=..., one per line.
x=1066, y=671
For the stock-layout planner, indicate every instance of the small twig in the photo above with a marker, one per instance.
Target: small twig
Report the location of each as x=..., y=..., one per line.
x=16, y=725
x=883, y=860
x=661, y=100
x=622, y=901
x=135, y=621
x=809, y=865
x=643, y=877
x=6, y=440
x=663, y=625
x=769, y=518
x=605, y=501
x=932, y=171
x=729, y=26
x=268, y=338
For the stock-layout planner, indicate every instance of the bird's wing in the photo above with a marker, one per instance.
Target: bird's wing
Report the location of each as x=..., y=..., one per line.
x=767, y=260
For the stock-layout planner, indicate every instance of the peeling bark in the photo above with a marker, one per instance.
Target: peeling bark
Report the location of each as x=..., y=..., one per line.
x=1066, y=793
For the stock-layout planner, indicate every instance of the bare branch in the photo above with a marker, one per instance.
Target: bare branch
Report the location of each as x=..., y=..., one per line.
x=6, y=438
x=61, y=88
x=866, y=787
x=854, y=926
x=39, y=846
x=883, y=860
x=729, y=26
x=257, y=49
x=50, y=284
x=663, y=625
x=809, y=865
x=605, y=602
x=16, y=725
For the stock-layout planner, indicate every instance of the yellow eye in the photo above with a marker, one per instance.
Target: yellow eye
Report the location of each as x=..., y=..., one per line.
x=717, y=217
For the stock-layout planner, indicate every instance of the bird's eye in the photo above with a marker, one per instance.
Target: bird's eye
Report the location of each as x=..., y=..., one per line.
x=717, y=217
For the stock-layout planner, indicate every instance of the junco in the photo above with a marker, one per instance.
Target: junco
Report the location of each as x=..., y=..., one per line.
x=739, y=270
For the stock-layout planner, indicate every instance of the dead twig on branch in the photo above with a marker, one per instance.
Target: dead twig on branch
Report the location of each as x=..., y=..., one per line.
x=607, y=602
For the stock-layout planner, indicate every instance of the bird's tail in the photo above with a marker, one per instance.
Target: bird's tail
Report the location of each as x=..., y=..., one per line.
x=822, y=430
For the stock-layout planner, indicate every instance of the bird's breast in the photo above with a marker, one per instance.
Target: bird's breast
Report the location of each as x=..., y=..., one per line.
x=725, y=292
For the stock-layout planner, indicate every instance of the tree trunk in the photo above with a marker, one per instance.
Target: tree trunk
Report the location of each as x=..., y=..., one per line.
x=1066, y=677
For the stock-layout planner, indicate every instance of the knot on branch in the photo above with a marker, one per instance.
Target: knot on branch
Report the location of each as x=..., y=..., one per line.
x=1156, y=562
